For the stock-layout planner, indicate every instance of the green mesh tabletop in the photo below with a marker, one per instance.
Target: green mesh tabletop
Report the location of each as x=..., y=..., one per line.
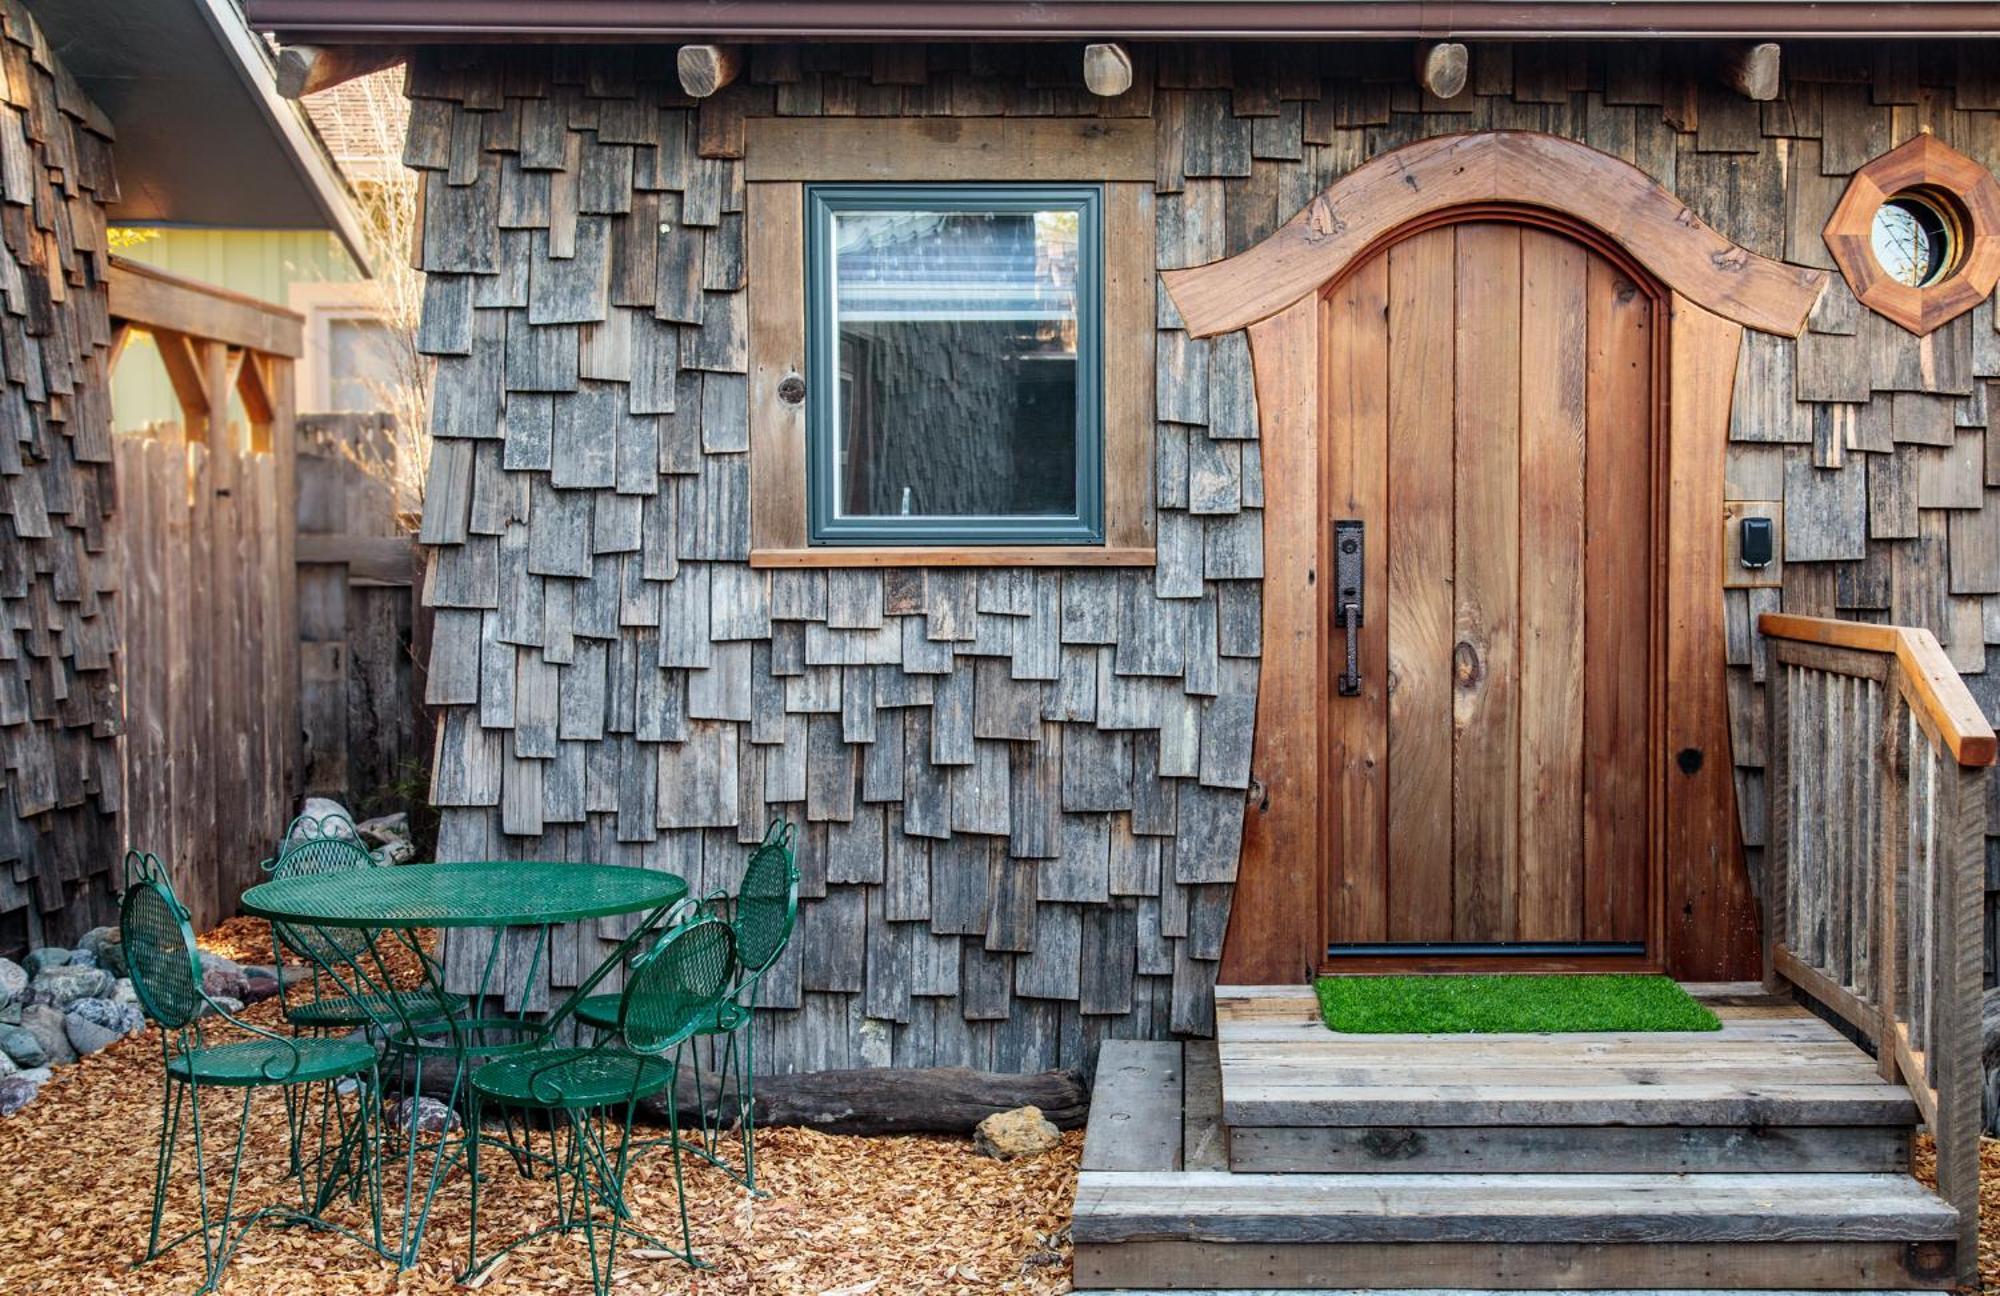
x=471, y=893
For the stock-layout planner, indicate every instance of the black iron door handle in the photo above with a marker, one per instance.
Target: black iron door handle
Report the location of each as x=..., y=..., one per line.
x=1348, y=553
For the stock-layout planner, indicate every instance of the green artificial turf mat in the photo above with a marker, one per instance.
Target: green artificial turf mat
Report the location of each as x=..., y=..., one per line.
x=1492, y=1005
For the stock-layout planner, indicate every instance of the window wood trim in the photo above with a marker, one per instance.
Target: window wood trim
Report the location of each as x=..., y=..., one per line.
x=782, y=154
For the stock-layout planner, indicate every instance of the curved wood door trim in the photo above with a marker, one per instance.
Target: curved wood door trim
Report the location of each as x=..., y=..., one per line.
x=1524, y=168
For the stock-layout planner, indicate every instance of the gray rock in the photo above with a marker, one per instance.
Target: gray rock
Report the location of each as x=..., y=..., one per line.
x=46, y=1025
x=123, y=1018
x=16, y=1092
x=83, y=959
x=37, y=1075
x=107, y=946
x=48, y=956
x=63, y=986
x=320, y=817
x=432, y=1117
x=123, y=991
x=21, y=1047
x=87, y=1037
x=7, y=1066
x=226, y=983
x=13, y=980
x=1989, y=1023
x=383, y=829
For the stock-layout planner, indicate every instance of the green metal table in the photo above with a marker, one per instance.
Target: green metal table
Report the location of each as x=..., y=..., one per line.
x=395, y=903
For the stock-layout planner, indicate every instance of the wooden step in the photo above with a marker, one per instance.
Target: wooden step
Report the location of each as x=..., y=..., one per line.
x=1772, y=1065
x=1193, y=1230
x=1568, y=1149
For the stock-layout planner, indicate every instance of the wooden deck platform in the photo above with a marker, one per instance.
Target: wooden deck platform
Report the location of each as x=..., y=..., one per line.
x=1769, y=1155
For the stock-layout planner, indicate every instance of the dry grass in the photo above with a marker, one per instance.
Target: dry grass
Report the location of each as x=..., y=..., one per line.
x=1989, y=1203
x=846, y=1216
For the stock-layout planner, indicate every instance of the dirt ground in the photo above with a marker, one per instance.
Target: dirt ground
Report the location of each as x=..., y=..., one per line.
x=845, y=1216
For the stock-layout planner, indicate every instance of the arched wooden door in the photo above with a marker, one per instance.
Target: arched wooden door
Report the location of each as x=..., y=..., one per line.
x=1489, y=394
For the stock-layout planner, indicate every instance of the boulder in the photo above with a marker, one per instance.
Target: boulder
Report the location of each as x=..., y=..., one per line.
x=86, y=1036
x=21, y=1047
x=7, y=1066
x=123, y=991
x=48, y=956
x=383, y=829
x=13, y=980
x=16, y=1092
x=1017, y=1133
x=107, y=946
x=37, y=1075
x=46, y=1025
x=432, y=1117
x=124, y=1018
x=319, y=817
x=62, y=986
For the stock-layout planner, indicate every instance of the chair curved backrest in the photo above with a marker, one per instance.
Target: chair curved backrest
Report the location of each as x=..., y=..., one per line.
x=158, y=945
x=674, y=985
x=767, y=901
x=314, y=854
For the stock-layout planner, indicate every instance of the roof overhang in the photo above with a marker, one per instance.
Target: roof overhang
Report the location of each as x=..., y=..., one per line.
x=203, y=139
x=335, y=21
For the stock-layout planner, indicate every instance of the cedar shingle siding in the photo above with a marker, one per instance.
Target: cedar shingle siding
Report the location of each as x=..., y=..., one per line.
x=1022, y=791
x=59, y=707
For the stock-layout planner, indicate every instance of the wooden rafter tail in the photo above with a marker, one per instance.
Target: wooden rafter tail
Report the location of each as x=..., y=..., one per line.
x=1107, y=69
x=705, y=69
x=308, y=69
x=1514, y=168
x=1754, y=70
x=1442, y=67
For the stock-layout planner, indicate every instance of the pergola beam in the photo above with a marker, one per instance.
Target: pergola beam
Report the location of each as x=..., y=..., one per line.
x=1442, y=67
x=309, y=69
x=1754, y=71
x=1107, y=69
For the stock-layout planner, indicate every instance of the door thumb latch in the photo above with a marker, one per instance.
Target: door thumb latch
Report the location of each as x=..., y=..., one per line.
x=1348, y=554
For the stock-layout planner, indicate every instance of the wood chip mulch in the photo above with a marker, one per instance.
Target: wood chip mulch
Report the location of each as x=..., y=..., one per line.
x=845, y=1216
x=1989, y=1203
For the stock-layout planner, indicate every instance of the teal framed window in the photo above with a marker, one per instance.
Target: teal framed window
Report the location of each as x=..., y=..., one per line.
x=954, y=341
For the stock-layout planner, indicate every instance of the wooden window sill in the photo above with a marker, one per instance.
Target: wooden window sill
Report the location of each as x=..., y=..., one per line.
x=944, y=556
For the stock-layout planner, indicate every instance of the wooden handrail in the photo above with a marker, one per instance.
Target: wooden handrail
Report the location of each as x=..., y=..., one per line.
x=1875, y=863
x=154, y=299
x=1933, y=684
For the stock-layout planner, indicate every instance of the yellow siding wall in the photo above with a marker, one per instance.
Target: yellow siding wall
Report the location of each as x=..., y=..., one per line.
x=260, y=263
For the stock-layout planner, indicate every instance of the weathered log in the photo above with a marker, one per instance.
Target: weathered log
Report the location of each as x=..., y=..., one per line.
x=936, y=1100
x=1442, y=67
x=309, y=69
x=1107, y=69
x=1753, y=71
x=705, y=69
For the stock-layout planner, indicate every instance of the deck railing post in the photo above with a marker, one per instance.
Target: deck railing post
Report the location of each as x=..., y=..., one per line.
x=1956, y=1064
x=1894, y=827
x=1778, y=807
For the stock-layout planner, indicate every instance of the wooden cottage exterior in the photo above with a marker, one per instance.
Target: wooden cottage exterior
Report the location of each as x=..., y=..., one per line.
x=1524, y=348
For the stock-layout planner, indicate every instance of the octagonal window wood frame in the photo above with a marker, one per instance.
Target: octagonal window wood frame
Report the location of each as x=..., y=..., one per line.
x=1926, y=163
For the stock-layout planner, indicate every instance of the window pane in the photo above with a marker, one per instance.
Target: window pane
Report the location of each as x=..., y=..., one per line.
x=956, y=336
x=360, y=364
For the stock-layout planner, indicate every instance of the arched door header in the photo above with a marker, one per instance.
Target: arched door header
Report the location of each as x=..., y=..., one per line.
x=1609, y=194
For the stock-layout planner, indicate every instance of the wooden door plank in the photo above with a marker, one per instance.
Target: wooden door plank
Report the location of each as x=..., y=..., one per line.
x=1617, y=587
x=1418, y=598
x=1554, y=314
x=1356, y=477
x=1486, y=536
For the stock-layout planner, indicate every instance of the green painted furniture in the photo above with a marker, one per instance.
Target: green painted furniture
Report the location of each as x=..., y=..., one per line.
x=325, y=846
x=762, y=915
x=337, y=1149
x=588, y=1093
x=468, y=899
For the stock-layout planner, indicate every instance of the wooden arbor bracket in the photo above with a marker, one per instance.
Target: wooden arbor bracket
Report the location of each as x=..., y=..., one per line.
x=1384, y=195
x=1928, y=164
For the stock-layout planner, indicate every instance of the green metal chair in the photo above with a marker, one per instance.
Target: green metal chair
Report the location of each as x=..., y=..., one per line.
x=590, y=1092
x=347, y=984
x=166, y=975
x=762, y=915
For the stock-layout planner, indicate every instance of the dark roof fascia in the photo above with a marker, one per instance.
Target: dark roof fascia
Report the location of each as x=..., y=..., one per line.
x=419, y=21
